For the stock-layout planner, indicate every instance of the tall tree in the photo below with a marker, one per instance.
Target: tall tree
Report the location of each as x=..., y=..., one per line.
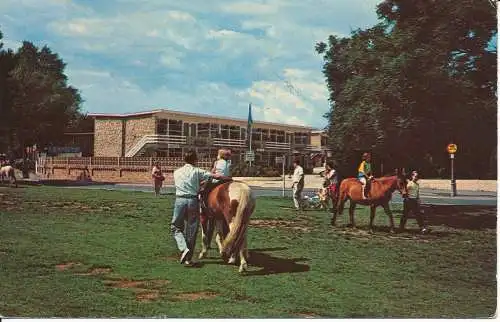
x=41, y=104
x=422, y=77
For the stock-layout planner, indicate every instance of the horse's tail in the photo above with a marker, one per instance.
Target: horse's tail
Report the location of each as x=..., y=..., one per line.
x=238, y=226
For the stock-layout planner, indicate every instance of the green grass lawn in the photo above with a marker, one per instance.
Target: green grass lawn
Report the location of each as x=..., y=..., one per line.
x=90, y=253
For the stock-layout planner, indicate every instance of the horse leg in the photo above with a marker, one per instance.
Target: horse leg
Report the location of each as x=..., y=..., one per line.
x=391, y=218
x=219, y=231
x=204, y=239
x=372, y=216
x=352, y=206
x=338, y=209
x=243, y=255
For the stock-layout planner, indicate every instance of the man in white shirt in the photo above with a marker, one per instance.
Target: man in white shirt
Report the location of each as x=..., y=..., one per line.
x=185, y=220
x=298, y=184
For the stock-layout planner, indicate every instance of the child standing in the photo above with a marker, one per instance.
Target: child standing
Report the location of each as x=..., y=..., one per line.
x=157, y=176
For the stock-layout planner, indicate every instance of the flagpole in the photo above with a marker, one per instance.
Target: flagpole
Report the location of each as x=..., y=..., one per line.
x=250, y=138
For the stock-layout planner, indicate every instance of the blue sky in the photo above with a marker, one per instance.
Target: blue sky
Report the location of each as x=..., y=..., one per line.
x=212, y=57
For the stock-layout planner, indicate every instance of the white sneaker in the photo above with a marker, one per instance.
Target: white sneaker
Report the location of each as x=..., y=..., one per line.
x=184, y=255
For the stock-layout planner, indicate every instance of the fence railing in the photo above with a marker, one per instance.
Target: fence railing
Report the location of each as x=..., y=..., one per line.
x=120, y=163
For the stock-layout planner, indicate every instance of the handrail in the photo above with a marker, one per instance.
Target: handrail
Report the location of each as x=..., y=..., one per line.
x=154, y=139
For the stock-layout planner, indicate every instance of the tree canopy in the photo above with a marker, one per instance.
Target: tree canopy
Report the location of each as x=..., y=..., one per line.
x=36, y=103
x=423, y=77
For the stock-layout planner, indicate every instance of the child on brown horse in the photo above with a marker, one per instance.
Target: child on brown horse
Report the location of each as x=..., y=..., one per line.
x=365, y=173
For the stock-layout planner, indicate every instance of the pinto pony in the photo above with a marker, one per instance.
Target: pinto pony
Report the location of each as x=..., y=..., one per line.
x=7, y=171
x=232, y=203
x=379, y=195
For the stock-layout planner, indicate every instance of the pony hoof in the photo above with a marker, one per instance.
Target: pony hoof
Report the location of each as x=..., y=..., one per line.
x=202, y=255
x=243, y=268
x=392, y=231
x=371, y=231
x=232, y=260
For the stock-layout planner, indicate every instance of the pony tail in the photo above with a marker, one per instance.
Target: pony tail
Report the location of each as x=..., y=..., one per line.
x=236, y=236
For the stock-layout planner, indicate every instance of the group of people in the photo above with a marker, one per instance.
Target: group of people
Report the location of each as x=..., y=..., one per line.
x=329, y=191
x=192, y=185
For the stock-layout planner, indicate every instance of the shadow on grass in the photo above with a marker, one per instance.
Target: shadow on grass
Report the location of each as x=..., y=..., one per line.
x=275, y=265
x=471, y=217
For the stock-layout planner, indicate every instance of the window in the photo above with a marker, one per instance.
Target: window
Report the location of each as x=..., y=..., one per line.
x=224, y=131
x=280, y=136
x=323, y=141
x=161, y=126
x=186, y=129
x=204, y=129
x=272, y=136
x=193, y=130
x=256, y=134
x=174, y=127
x=214, y=131
x=234, y=132
x=243, y=133
x=301, y=138
x=265, y=135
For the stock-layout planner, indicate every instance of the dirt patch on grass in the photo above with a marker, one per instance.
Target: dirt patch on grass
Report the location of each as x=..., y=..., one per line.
x=9, y=201
x=307, y=315
x=273, y=223
x=67, y=266
x=96, y=271
x=147, y=296
x=145, y=291
x=124, y=283
x=361, y=234
x=194, y=296
x=76, y=205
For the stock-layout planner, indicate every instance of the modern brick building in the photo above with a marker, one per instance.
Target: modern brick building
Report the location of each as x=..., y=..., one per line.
x=168, y=133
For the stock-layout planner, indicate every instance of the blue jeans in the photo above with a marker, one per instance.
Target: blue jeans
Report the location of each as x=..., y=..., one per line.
x=184, y=224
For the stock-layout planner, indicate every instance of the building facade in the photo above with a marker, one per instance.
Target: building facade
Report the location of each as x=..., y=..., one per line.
x=167, y=133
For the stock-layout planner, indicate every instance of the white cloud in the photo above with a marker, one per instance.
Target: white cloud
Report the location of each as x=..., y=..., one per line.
x=199, y=56
x=252, y=7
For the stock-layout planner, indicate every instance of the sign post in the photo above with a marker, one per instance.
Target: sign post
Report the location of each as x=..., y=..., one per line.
x=452, y=149
x=283, y=167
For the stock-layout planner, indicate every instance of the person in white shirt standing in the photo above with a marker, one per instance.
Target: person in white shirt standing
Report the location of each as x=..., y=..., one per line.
x=185, y=220
x=298, y=184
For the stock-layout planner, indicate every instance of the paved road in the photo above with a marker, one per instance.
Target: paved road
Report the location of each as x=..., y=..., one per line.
x=428, y=196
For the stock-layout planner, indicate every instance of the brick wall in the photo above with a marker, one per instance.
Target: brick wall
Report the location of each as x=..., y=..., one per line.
x=106, y=175
x=108, y=139
x=136, y=128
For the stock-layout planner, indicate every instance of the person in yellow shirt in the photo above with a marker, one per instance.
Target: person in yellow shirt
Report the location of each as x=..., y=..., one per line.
x=412, y=204
x=365, y=173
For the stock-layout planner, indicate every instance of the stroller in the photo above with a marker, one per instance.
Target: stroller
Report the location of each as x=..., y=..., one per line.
x=315, y=200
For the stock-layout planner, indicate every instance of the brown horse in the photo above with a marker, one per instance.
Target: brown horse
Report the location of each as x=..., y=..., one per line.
x=380, y=194
x=234, y=203
x=8, y=172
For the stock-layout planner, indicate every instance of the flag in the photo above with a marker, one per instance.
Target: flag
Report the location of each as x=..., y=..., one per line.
x=249, y=123
x=250, y=120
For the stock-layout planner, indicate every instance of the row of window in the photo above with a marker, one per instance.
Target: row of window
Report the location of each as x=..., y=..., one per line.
x=175, y=127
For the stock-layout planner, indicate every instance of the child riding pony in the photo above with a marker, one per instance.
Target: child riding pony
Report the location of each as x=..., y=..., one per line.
x=380, y=194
